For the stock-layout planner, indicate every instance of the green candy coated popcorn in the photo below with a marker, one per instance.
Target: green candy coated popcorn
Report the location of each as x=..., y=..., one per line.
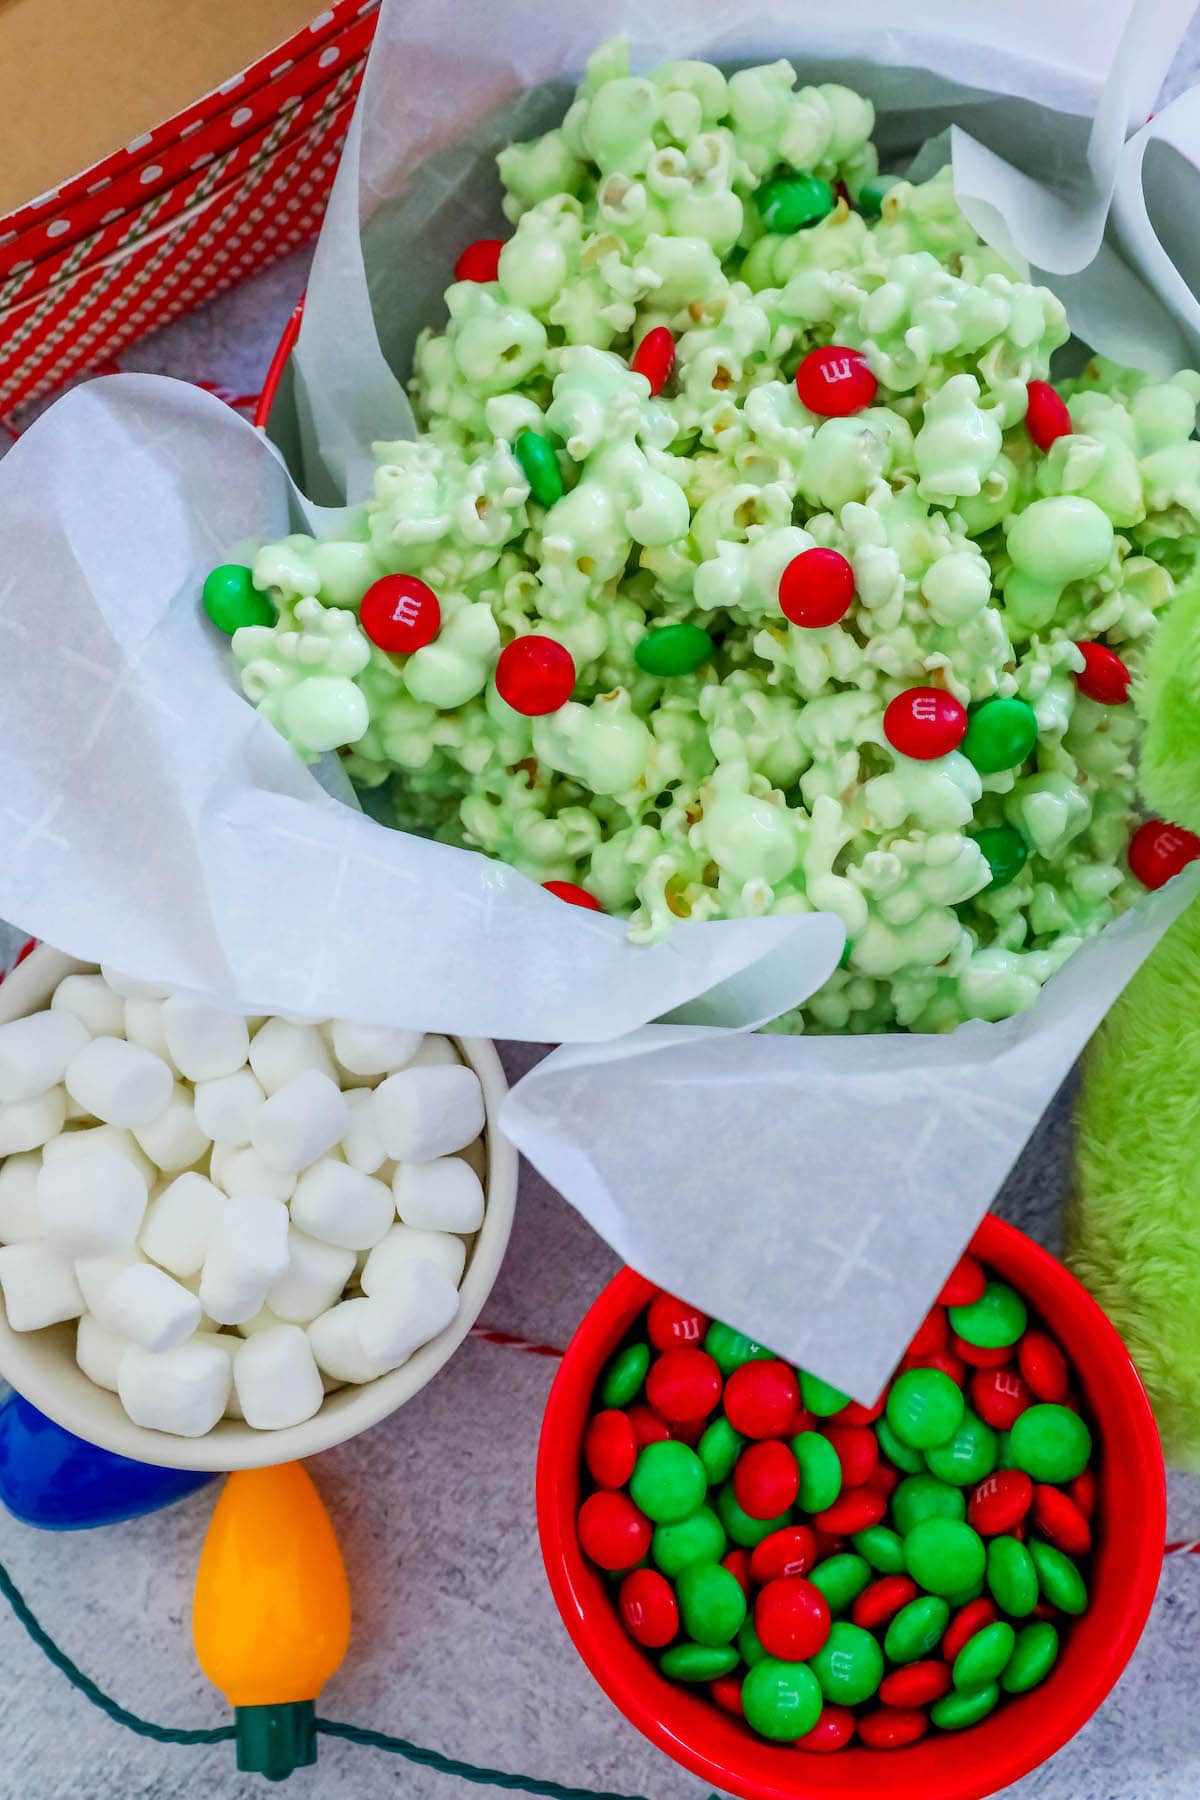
x=231, y=599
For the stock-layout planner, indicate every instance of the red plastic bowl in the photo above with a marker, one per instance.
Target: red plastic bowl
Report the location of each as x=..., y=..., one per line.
x=1131, y=1525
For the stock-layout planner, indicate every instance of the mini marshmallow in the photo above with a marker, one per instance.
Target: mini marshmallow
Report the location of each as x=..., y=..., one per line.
x=314, y=1279
x=243, y=1174
x=20, y=1220
x=337, y=1346
x=229, y=1347
x=144, y=1026
x=226, y=1107
x=405, y=1244
x=280, y=1051
x=436, y=1053
x=174, y=1140
x=121, y=1083
x=180, y=1222
x=277, y=1379
x=98, y=1352
x=143, y=1304
x=74, y=1111
x=362, y=1145
x=205, y=1041
x=93, y=1002
x=96, y=1274
x=35, y=1051
x=184, y=1390
x=341, y=1205
x=39, y=1286
x=128, y=987
x=247, y=1252
x=425, y=1113
x=301, y=1121
x=421, y=1303
x=443, y=1195
x=372, y=1049
x=102, y=1137
x=28, y=1124
x=91, y=1204
x=262, y=1320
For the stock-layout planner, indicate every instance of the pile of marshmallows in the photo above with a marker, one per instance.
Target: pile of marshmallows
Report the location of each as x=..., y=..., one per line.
x=173, y=1169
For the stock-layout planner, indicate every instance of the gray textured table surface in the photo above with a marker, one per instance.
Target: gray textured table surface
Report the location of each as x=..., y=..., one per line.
x=456, y=1642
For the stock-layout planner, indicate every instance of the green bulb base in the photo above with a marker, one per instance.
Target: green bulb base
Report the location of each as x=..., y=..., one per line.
x=274, y=1740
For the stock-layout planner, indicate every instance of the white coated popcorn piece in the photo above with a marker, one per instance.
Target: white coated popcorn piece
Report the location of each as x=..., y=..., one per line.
x=340, y=1205
x=39, y=1286
x=28, y=1124
x=119, y=1082
x=337, y=1346
x=227, y=1106
x=175, y=1139
x=92, y=1001
x=421, y=1303
x=183, y=1391
x=362, y=1145
x=144, y=1304
x=443, y=1195
x=314, y=1279
x=91, y=1204
x=98, y=1352
x=301, y=1121
x=372, y=1049
x=180, y=1222
x=277, y=1379
x=20, y=1220
x=205, y=1041
x=280, y=1050
x=35, y=1051
x=247, y=1252
x=429, y=1112
x=405, y=1244
x=243, y=1174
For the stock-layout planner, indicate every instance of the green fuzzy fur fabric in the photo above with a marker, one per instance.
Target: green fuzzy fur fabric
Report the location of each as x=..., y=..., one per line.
x=1134, y=1227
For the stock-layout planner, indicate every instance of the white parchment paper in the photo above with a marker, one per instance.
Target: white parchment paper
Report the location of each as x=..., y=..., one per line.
x=814, y=1192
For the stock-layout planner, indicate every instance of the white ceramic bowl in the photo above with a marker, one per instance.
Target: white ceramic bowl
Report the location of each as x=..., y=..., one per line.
x=41, y=1364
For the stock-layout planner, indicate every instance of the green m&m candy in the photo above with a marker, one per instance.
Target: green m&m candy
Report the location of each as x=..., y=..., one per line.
x=792, y=202
x=925, y=1408
x=1000, y=735
x=944, y=1556
x=969, y=1455
x=1060, y=1580
x=921, y=1497
x=699, y=1538
x=820, y=1471
x=916, y=1628
x=729, y=1349
x=625, y=1374
x=673, y=649
x=711, y=1603
x=231, y=599
x=871, y=193
x=1034, y=1656
x=841, y=1579
x=698, y=1662
x=896, y=1451
x=1012, y=1577
x=750, y=1647
x=539, y=465
x=668, y=1482
x=1005, y=852
x=994, y=1321
x=964, y=1706
x=984, y=1657
x=781, y=1700
x=1051, y=1443
x=744, y=1530
x=849, y=1664
x=820, y=1397
x=718, y=1450
x=882, y=1547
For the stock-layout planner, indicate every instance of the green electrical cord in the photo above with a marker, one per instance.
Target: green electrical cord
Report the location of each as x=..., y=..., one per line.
x=219, y=1734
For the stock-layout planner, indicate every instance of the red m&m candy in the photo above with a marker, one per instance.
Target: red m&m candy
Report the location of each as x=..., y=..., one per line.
x=792, y=1550
x=1157, y=851
x=683, y=1384
x=738, y=1564
x=655, y=358
x=966, y=1622
x=835, y=381
x=535, y=675
x=916, y=1684
x=1058, y=1518
x=832, y=1731
x=1044, y=1366
x=892, y=1727
x=931, y=1333
x=857, y=1451
x=792, y=1619
x=816, y=588
x=999, y=1397
x=1046, y=416
x=400, y=614
x=612, y=1531
x=853, y=1510
x=1103, y=677
x=925, y=723
x=727, y=1693
x=883, y=1600
x=670, y=1322
x=574, y=896
x=965, y=1283
x=761, y=1399
x=480, y=261
x=766, y=1479
x=649, y=1608
x=1000, y=1502
x=648, y=1428
x=610, y=1448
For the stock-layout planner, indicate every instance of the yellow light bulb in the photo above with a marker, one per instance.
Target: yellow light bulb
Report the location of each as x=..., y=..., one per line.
x=271, y=1613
